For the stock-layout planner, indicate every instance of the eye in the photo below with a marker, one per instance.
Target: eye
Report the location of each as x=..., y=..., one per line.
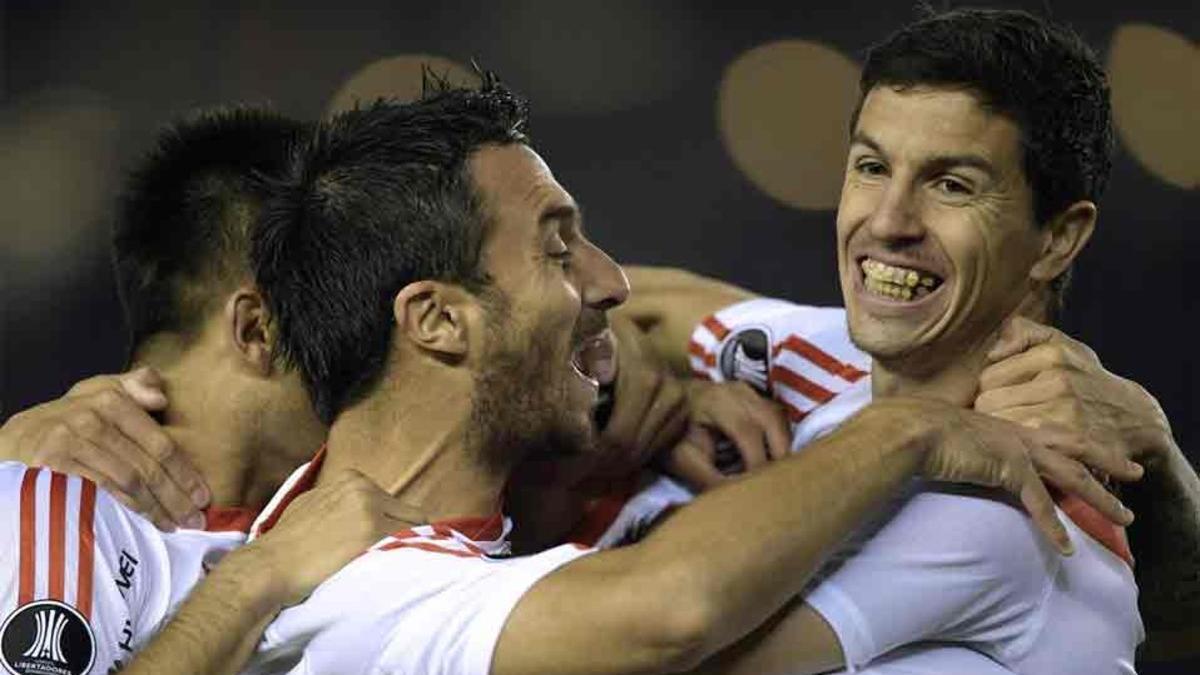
x=952, y=186
x=870, y=167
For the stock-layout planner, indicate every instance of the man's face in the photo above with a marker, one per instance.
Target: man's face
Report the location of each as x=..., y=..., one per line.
x=536, y=383
x=935, y=227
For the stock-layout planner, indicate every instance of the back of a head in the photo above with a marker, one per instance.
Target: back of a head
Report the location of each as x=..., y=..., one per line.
x=182, y=232
x=379, y=198
x=1038, y=73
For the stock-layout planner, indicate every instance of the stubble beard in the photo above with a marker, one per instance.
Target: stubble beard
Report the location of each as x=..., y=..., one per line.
x=519, y=408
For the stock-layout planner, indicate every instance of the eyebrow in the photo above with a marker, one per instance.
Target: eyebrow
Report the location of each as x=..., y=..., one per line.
x=571, y=213
x=935, y=164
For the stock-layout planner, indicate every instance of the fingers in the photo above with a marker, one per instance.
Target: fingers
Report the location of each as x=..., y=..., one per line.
x=1022, y=367
x=145, y=387
x=1038, y=390
x=773, y=422
x=170, y=474
x=1017, y=335
x=664, y=423
x=691, y=461
x=1109, y=461
x=125, y=485
x=630, y=406
x=1071, y=476
x=1036, y=500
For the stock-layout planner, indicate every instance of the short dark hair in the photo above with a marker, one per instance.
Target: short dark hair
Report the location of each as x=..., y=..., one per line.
x=1038, y=73
x=380, y=197
x=185, y=214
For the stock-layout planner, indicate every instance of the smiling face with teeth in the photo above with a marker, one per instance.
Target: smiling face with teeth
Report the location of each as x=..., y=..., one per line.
x=936, y=238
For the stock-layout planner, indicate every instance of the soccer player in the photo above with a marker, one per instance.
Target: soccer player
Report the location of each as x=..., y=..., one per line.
x=431, y=280
x=978, y=152
x=88, y=580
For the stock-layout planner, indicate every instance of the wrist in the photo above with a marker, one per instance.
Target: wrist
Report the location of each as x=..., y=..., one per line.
x=913, y=428
x=254, y=578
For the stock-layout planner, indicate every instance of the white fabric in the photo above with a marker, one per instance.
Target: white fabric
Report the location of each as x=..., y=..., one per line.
x=430, y=600
x=139, y=574
x=948, y=564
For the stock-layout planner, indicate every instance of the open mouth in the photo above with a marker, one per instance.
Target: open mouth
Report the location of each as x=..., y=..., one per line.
x=894, y=282
x=593, y=359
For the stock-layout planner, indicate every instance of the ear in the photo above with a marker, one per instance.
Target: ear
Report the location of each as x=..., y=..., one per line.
x=249, y=323
x=434, y=316
x=1064, y=237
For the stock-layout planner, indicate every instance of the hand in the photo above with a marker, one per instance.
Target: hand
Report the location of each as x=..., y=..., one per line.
x=756, y=429
x=1040, y=377
x=649, y=411
x=323, y=530
x=102, y=430
x=984, y=450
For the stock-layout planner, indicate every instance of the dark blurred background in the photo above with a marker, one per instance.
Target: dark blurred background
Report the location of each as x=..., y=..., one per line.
x=705, y=137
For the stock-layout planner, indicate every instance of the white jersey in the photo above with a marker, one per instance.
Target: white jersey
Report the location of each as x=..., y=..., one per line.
x=430, y=600
x=87, y=581
x=946, y=563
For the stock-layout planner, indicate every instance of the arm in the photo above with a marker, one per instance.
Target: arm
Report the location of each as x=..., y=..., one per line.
x=1166, y=541
x=1040, y=376
x=667, y=303
x=219, y=625
x=725, y=564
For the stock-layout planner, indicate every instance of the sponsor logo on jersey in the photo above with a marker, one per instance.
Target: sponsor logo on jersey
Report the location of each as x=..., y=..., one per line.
x=46, y=637
x=746, y=357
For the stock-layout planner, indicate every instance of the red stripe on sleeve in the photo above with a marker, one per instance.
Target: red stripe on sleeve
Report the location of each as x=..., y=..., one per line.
x=801, y=347
x=715, y=327
x=697, y=350
x=794, y=414
x=801, y=384
x=87, y=548
x=28, y=535
x=58, y=535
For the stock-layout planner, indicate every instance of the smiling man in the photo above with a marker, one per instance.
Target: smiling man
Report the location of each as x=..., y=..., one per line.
x=980, y=147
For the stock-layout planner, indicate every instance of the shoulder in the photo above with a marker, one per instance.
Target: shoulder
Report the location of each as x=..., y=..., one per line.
x=414, y=603
x=73, y=556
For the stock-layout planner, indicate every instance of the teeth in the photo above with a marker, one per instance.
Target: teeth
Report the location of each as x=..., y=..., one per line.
x=885, y=275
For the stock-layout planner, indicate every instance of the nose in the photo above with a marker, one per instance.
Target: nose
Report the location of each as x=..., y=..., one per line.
x=895, y=219
x=601, y=279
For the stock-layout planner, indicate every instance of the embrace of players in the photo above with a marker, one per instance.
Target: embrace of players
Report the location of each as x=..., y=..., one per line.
x=389, y=409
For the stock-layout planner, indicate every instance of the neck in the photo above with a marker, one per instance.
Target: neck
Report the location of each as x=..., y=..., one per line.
x=415, y=447
x=217, y=429
x=955, y=381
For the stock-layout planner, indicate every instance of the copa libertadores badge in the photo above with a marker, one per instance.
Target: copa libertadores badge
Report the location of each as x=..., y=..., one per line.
x=47, y=637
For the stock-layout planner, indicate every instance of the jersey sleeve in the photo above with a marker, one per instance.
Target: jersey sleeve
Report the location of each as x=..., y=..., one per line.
x=800, y=355
x=412, y=609
x=76, y=593
x=952, y=565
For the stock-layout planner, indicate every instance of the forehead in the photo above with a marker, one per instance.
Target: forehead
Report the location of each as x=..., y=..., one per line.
x=513, y=178
x=921, y=121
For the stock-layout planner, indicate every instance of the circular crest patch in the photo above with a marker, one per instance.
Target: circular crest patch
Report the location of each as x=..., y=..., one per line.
x=746, y=357
x=47, y=637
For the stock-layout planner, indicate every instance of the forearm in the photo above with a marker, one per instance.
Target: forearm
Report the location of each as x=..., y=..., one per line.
x=1166, y=543
x=717, y=568
x=218, y=627
x=766, y=535
x=667, y=303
